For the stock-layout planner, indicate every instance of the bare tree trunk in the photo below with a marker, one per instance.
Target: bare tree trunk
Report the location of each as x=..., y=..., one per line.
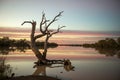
x=45, y=46
x=33, y=38
x=33, y=45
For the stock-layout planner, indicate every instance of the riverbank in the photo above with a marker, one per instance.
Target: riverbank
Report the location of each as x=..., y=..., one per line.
x=30, y=77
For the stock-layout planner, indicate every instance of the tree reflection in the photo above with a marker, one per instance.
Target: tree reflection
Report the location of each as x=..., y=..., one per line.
x=109, y=52
x=6, y=50
x=41, y=69
x=109, y=46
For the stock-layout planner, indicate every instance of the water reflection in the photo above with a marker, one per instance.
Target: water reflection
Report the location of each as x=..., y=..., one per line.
x=41, y=69
x=109, y=52
x=6, y=50
x=87, y=68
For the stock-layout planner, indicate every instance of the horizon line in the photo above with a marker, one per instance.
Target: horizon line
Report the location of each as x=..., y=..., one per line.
x=26, y=28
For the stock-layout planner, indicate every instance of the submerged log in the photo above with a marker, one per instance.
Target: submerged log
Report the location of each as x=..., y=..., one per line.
x=49, y=62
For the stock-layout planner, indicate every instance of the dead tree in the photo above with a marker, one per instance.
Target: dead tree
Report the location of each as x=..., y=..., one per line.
x=44, y=31
x=48, y=35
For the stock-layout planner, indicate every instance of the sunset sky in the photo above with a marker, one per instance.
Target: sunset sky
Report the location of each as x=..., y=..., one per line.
x=82, y=18
x=86, y=15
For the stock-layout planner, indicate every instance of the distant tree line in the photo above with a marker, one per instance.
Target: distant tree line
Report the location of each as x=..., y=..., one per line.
x=6, y=42
x=106, y=44
x=7, y=45
x=76, y=45
x=108, y=47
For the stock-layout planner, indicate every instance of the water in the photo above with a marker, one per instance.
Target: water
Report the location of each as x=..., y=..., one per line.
x=89, y=64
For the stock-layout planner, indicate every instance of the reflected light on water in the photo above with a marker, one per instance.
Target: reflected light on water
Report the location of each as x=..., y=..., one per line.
x=88, y=69
x=61, y=52
x=88, y=63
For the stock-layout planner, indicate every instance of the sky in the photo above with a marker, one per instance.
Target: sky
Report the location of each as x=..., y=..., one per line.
x=84, y=15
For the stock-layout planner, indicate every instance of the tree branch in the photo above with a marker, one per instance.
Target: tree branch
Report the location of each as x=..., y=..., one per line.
x=26, y=22
x=58, y=30
x=38, y=36
x=33, y=23
x=54, y=19
x=41, y=23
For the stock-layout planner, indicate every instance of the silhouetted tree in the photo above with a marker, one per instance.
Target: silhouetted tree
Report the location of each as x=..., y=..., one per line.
x=44, y=31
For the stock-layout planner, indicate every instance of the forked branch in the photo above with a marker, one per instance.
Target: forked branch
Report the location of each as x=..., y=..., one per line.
x=57, y=31
x=44, y=21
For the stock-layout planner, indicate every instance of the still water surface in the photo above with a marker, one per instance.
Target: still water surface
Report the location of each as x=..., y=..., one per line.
x=89, y=64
